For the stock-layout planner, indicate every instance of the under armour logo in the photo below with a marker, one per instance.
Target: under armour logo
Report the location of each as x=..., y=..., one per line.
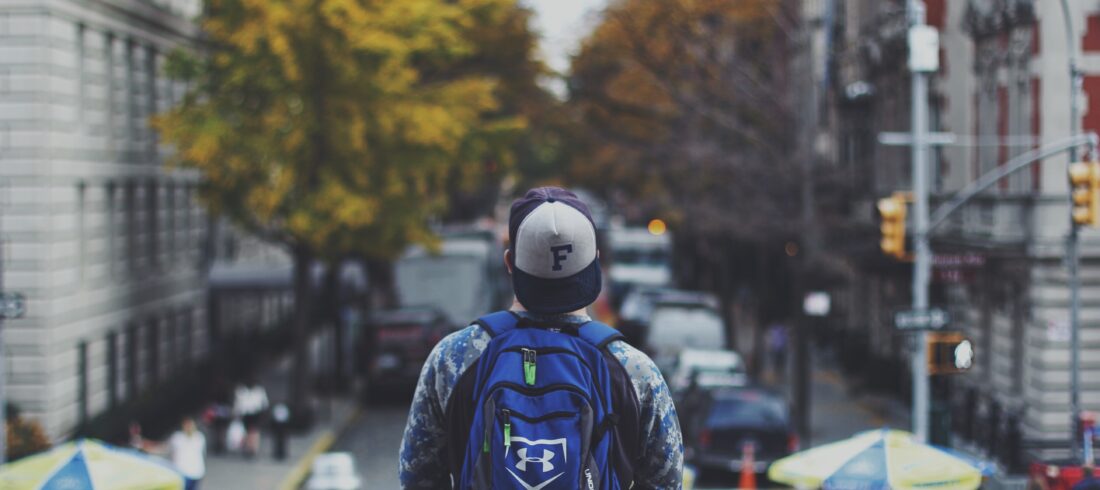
x=547, y=455
x=560, y=257
x=545, y=460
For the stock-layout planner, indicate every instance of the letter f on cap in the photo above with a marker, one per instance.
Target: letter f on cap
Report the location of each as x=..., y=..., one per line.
x=560, y=257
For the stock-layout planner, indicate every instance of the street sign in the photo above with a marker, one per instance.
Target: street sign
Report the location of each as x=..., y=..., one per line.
x=890, y=138
x=933, y=319
x=12, y=305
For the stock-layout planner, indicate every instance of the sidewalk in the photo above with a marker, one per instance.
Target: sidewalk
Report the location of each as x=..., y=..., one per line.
x=836, y=411
x=234, y=471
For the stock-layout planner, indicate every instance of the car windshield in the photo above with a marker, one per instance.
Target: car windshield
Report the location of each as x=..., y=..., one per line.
x=641, y=257
x=747, y=411
x=686, y=327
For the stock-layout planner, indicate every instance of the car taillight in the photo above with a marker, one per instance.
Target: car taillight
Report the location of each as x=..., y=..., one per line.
x=704, y=439
x=792, y=442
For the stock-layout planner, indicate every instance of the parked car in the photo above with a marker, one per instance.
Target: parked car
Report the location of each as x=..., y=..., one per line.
x=707, y=369
x=636, y=311
x=721, y=423
x=678, y=324
x=398, y=342
x=334, y=471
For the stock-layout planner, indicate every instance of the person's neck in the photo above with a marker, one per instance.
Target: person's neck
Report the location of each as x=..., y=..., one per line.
x=516, y=306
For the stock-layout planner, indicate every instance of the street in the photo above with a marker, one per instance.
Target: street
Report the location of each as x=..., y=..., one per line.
x=374, y=440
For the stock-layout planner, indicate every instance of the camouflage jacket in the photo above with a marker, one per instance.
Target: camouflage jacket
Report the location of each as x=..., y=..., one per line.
x=424, y=447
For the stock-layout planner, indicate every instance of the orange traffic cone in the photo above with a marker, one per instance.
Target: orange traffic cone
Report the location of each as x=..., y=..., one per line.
x=748, y=467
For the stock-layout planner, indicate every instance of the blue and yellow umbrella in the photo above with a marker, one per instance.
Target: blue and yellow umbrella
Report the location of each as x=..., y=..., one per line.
x=90, y=465
x=873, y=460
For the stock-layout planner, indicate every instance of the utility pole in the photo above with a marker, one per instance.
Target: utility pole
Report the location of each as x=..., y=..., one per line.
x=1072, y=252
x=809, y=15
x=922, y=265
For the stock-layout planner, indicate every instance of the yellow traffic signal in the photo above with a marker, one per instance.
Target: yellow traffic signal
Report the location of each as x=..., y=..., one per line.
x=1084, y=177
x=893, y=210
x=949, y=353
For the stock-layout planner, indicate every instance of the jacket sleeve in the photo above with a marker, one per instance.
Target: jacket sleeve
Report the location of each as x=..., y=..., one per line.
x=424, y=443
x=661, y=465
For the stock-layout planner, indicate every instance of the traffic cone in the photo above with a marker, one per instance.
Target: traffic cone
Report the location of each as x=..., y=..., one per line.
x=748, y=470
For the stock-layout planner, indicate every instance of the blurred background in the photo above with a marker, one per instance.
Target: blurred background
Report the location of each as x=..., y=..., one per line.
x=199, y=198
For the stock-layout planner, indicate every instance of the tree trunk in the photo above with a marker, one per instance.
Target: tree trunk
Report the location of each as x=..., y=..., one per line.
x=333, y=302
x=382, y=284
x=300, y=373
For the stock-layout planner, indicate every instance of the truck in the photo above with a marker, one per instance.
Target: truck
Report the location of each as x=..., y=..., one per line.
x=638, y=258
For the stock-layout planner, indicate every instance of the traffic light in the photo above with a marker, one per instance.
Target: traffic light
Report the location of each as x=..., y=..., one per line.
x=949, y=353
x=892, y=210
x=1085, y=179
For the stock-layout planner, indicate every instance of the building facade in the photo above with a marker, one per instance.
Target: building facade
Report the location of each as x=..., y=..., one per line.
x=1002, y=89
x=106, y=244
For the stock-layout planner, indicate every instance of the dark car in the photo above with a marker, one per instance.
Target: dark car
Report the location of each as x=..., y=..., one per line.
x=397, y=343
x=721, y=425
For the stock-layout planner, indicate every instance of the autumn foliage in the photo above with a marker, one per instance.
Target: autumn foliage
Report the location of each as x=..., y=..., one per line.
x=688, y=113
x=337, y=126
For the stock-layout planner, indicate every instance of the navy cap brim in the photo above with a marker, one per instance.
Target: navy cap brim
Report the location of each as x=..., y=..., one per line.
x=556, y=296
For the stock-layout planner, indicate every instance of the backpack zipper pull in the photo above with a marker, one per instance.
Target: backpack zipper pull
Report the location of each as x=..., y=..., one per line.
x=529, y=366
x=507, y=415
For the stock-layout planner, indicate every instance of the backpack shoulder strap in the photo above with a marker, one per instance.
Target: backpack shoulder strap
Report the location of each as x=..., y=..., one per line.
x=599, y=334
x=498, y=323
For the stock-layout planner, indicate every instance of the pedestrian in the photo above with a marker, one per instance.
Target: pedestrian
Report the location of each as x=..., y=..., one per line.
x=187, y=449
x=249, y=403
x=136, y=440
x=220, y=413
x=777, y=347
x=280, y=422
x=511, y=401
x=1089, y=482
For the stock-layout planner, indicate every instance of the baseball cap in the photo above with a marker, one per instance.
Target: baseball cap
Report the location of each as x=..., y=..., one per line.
x=554, y=255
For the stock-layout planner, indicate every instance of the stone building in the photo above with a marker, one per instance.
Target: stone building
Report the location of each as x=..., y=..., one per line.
x=1002, y=89
x=110, y=248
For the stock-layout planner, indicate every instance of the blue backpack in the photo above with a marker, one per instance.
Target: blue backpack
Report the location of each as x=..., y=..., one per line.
x=544, y=413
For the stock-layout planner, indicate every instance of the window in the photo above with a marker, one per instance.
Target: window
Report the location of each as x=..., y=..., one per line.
x=1019, y=340
x=152, y=351
x=188, y=336
x=170, y=226
x=132, y=359
x=150, y=100
x=131, y=226
x=131, y=100
x=188, y=223
x=112, y=228
x=112, y=370
x=151, y=219
x=170, y=353
x=109, y=79
x=82, y=381
x=82, y=77
x=81, y=230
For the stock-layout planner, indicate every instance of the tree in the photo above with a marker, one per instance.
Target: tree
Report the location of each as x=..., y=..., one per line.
x=689, y=113
x=333, y=127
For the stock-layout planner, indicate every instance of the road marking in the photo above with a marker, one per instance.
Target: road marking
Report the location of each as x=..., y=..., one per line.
x=297, y=476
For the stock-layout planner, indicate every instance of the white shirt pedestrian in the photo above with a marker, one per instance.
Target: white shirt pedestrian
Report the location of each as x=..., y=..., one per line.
x=188, y=453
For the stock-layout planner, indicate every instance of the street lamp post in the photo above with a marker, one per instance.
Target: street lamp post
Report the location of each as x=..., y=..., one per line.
x=922, y=263
x=1072, y=251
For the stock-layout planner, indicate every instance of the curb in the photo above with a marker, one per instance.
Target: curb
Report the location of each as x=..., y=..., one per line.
x=297, y=476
